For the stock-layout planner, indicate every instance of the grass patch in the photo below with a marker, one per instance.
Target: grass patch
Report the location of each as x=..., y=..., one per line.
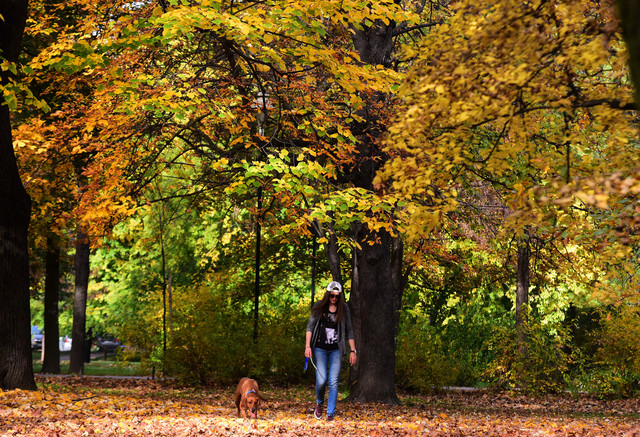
x=97, y=367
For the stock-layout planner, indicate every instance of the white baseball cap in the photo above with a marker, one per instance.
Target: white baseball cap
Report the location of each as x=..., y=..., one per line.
x=334, y=286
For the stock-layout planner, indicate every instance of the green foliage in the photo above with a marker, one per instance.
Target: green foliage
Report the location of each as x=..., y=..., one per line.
x=422, y=363
x=279, y=351
x=209, y=321
x=37, y=312
x=537, y=363
x=458, y=341
x=620, y=339
x=470, y=329
x=615, y=368
x=603, y=382
x=208, y=334
x=212, y=340
x=477, y=344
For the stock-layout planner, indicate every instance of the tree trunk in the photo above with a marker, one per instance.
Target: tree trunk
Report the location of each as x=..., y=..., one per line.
x=170, y=299
x=334, y=255
x=629, y=12
x=331, y=248
x=16, y=369
x=377, y=282
x=256, y=289
x=522, y=290
x=51, y=345
x=375, y=301
x=78, y=335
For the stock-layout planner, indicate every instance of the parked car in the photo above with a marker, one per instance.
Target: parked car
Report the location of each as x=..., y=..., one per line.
x=107, y=343
x=36, y=338
x=65, y=343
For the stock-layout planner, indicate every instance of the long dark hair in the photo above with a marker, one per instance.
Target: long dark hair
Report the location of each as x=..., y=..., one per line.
x=322, y=308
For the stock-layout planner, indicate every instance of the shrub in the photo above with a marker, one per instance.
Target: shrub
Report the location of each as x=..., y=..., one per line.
x=212, y=341
x=539, y=364
x=279, y=352
x=602, y=382
x=466, y=336
x=209, y=341
x=616, y=368
x=421, y=361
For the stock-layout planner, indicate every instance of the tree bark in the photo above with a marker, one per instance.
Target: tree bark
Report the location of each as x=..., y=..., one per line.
x=51, y=345
x=629, y=12
x=377, y=281
x=375, y=301
x=330, y=247
x=16, y=369
x=333, y=255
x=522, y=290
x=78, y=335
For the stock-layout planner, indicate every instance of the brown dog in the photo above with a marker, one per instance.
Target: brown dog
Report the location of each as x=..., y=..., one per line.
x=247, y=398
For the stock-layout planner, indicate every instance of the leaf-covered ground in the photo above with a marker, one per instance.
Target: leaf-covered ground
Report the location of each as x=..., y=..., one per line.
x=99, y=406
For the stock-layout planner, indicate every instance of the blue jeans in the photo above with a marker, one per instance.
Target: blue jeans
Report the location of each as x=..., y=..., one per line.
x=327, y=371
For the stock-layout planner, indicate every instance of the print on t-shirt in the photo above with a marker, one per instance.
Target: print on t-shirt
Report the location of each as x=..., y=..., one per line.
x=329, y=330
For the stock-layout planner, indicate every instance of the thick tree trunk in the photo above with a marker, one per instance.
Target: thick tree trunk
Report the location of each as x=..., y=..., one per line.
x=377, y=282
x=522, y=290
x=78, y=335
x=375, y=43
x=375, y=302
x=51, y=343
x=16, y=370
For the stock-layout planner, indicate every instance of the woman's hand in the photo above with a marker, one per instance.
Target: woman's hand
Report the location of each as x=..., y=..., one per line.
x=352, y=357
x=307, y=352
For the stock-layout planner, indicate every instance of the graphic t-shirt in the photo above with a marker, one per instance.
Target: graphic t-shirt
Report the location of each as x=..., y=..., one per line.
x=328, y=335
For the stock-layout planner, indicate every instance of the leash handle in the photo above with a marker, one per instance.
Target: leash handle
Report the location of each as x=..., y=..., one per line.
x=306, y=361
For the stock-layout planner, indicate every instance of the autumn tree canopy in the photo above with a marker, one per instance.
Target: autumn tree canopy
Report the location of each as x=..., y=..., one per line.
x=444, y=146
x=536, y=101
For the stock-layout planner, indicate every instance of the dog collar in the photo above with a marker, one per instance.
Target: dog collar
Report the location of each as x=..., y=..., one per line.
x=250, y=391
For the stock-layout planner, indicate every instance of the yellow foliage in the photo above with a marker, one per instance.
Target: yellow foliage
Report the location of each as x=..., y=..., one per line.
x=528, y=95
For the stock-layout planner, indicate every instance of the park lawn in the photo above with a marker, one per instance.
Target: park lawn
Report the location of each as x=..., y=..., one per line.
x=142, y=407
x=98, y=366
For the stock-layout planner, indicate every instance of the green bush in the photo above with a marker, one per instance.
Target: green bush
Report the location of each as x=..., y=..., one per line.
x=208, y=340
x=212, y=341
x=466, y=336
x=538, y=364
x=279, y=352
x=602, y=382
x=616, y=366
x=421, y=361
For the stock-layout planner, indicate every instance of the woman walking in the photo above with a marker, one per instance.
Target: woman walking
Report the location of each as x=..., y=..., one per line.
x=328, y=331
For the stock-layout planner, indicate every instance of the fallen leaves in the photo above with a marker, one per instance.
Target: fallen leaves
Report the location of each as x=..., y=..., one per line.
x=98, y=406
